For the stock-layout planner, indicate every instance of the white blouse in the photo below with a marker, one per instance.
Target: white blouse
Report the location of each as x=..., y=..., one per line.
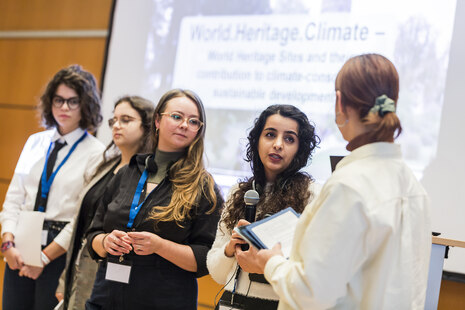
x=66, y=188
x=223, y=268
x=366, y=241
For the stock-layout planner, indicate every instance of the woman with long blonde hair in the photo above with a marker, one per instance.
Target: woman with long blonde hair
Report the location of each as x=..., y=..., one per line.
x=158, y=217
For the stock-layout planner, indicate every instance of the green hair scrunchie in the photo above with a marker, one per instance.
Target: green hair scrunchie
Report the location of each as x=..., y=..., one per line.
x=383, y=105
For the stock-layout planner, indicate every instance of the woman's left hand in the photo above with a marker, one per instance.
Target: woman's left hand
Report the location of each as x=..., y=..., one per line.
x=32, y=272
x=254, y=261
x=145, y=243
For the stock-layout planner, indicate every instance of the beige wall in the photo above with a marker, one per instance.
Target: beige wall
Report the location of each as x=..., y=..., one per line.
x=27, y=64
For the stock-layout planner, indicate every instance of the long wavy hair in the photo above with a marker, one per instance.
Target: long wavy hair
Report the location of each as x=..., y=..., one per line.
x=85, y=85
x=190, y=181
x=144, y=108
x=291, y=187
x=361, y=80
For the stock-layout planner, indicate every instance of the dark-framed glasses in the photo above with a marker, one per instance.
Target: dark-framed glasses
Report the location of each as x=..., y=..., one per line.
x=123, y=120
x=193, y=123
x=73, y=102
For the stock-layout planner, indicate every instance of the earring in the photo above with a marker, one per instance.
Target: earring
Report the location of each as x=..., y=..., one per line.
x=343, y=124
x=156, y=131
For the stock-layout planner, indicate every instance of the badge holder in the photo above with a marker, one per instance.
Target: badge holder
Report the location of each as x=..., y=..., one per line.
x=118, y=269
x=227, y=305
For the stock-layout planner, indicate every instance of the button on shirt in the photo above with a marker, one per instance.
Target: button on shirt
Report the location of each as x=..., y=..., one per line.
x=66, y=188
x=366, y=241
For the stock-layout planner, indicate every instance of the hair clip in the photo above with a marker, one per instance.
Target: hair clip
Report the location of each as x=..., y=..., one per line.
x=383, y=105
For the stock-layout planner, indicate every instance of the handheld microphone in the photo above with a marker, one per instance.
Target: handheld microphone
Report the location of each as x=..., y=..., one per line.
x=251, y=199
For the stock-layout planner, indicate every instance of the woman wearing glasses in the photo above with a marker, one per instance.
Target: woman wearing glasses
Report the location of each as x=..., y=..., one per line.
x=131, y=125
x=49, y=177
x=158, y=217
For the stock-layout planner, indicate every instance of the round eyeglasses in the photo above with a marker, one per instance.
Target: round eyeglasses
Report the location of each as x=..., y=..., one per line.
x=193, y=124
x=123, y=121
x=73, y=102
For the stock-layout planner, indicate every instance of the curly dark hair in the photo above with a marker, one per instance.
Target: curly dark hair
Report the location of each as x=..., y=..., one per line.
x=291, y=187
x=85, y=85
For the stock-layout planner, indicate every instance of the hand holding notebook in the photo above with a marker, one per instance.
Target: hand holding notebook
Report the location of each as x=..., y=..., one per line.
x=264, y=234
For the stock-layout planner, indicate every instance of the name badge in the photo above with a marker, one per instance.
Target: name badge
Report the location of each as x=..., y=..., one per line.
x=44, y=237
x=224, y=305
x=118, y=271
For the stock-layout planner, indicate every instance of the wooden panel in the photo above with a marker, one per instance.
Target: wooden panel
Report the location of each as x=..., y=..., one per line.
x=208, y=289
x=449, y=242
x=3, y=189
x=451, y=296
x=28, y=65
x=2, y=272
x=16, y=126
x=54, y=14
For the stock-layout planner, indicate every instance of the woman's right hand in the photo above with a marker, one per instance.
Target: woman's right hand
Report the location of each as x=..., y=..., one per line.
x=13, y=258
x=59, y=296
x=235, y=240
x=117, y=243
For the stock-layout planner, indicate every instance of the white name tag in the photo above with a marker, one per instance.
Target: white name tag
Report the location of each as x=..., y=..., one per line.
x=118, y=272
x=44, y=237
x=227, y=306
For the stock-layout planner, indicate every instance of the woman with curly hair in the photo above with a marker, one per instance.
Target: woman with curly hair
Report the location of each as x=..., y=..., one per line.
x=280, y=145
x=48, y=178
x=157, y=217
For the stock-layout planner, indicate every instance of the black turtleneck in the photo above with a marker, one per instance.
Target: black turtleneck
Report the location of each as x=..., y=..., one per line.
x=163, y=161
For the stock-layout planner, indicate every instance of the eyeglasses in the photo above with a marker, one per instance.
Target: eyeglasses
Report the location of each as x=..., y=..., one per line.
x=123, y=121
x=193, y=124
x=73, y=102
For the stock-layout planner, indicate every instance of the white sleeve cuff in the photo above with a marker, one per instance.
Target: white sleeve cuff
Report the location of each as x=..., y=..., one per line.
x=9, y=226
x=271, y=266
x=64, y=237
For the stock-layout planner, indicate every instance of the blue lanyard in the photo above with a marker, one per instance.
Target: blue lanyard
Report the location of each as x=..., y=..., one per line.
x=47, y=184
x=135, y=206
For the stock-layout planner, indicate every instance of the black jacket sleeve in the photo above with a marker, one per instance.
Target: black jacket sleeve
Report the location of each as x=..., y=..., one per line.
x=203, y=231
x=96, y=227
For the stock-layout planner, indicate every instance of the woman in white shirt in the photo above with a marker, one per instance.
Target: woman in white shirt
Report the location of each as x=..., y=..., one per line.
x=49, y=177
x=365, y=242
x=280, y=145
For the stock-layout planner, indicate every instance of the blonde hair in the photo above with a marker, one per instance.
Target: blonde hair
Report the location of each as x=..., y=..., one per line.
x=190, y=181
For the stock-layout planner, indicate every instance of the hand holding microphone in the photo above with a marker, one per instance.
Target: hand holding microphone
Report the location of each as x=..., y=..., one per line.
x=251, y=199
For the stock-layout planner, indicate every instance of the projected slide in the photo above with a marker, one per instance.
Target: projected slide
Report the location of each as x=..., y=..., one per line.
x=242, y=58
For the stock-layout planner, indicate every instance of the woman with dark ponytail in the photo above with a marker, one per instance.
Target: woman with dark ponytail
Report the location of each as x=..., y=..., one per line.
x=365, y=241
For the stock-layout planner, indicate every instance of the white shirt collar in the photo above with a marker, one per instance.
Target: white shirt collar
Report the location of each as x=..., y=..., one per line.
x=385, y=149
x=70, y=138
